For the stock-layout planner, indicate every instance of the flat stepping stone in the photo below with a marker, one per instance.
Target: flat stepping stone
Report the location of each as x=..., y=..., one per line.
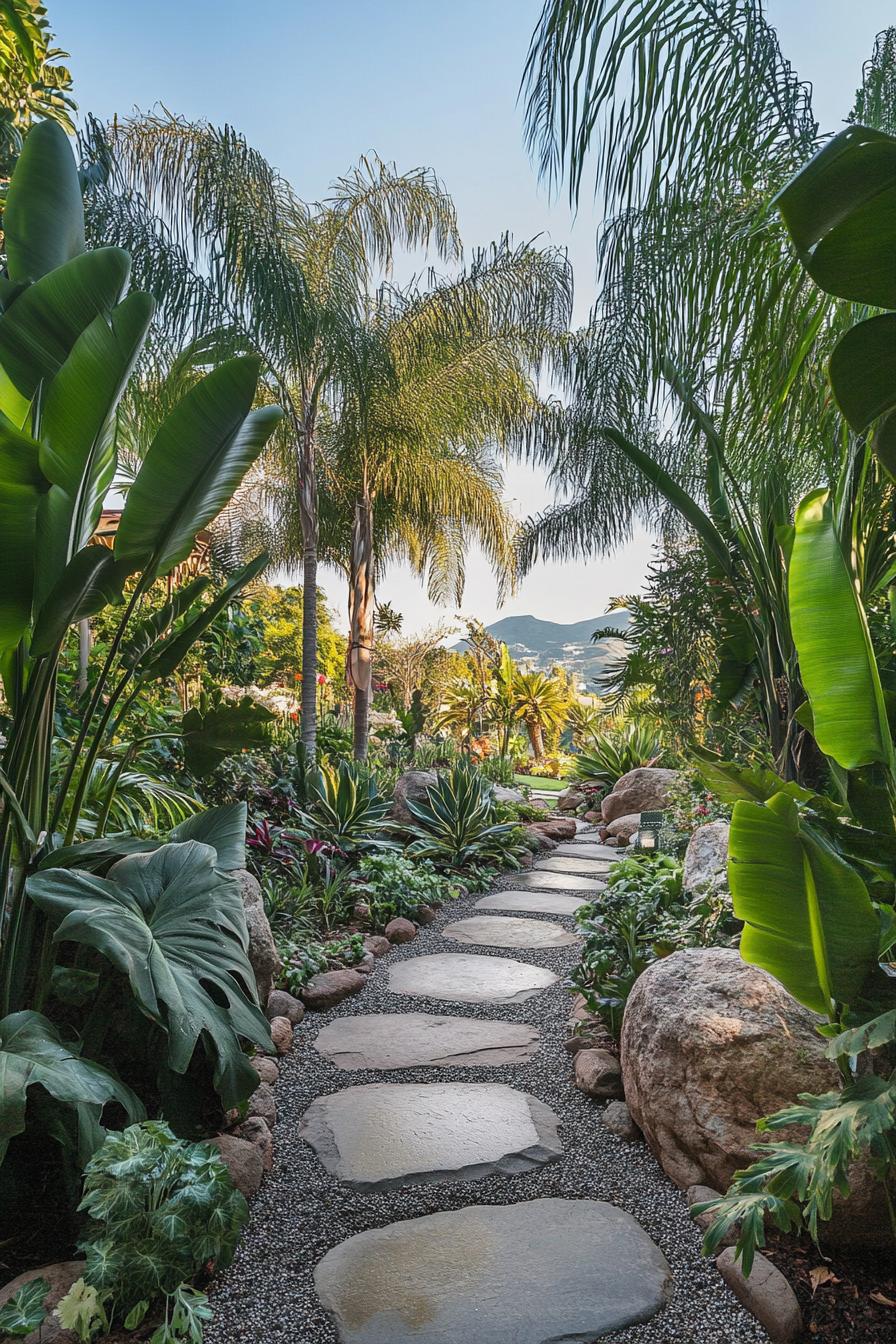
x=412, y=1040
x=556, y=882
x=499, y=931
x=582, y=848
x=560, y=863
x=385, y=1135
x=532, y=902
x=549, y=1271
x=461, y=977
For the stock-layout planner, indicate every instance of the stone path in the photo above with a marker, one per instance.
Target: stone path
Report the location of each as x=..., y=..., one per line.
x=538, y=880
x=438, y=1179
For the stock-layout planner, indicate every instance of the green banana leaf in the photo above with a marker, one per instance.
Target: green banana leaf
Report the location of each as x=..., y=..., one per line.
x=176, y=928
x=92, y=580
x=732, y=783
x=44, y=216
x=147, y=634
x=808, y=918
x=216, y=728
x=193, y=466
x=33, y=1054
x=78, y=433
x=830, y=631
x=22, y=486
x=222, y=828
x=38, y=331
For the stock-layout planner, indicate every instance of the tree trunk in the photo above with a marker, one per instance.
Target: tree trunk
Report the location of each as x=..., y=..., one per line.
x=85, y=641
x=359, y=661
x=308, y=514
x=536, y=737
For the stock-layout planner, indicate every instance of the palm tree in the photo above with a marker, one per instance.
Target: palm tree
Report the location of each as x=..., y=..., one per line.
x=229, y=243
x=696, y=396
x=442, y=381
x=541, y=703
x=34, y=85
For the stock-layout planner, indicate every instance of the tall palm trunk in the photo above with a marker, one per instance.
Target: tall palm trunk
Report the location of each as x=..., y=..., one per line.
x=361, y=597
x=307, y=491
x=536, y=737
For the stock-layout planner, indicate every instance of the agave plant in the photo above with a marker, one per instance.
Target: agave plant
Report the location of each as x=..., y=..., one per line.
x=611, y=755
x=456, y=825
x=344, y=809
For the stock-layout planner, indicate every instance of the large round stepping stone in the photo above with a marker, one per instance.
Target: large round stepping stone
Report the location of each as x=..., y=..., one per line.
x=532, y=902
x=384, y=1135
x=549, y=1271
x=460, y=977
x=537, y=881
x=411, y=1040
x=561, y=863
x=499, y=931
x=584, y=849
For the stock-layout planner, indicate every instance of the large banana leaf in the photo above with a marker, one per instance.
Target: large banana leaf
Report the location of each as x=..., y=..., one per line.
x=92, y=580
x=147, y=634
x=193, y=466
x=39, y=330
x=175, y=927
x=830, y=631
x=22, y=486
x=808, y=918
x=44, y=216
x=841, y=213
x=78, y=432
x=732, y=782
x=33, y=1054
x=160, y=660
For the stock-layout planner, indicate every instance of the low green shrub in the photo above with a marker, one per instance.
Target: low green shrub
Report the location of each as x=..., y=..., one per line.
x=394, y=887
x=642, y=915
x=609, y=756
x=303, y=959
x=163, y=1211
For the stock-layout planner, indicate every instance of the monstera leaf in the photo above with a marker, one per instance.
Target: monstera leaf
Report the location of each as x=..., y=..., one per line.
x=217, y=727
x=33, y=1054
x=175, y=926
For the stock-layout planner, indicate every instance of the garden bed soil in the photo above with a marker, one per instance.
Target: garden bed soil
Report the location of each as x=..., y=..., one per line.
x=855, y=1305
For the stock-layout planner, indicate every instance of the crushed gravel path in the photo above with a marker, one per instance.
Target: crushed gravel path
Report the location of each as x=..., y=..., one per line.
x=267, y=1296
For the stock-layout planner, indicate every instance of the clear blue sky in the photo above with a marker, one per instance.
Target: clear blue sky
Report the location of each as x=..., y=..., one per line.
x=315, y=83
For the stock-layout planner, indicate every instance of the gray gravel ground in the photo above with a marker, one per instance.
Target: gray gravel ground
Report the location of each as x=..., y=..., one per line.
x=267, y=1296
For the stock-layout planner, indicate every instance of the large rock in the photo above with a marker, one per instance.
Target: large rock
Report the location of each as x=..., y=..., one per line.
x=643, y=790
x=502, y=794
x=623, y=828
x=597, y=1074
x=243, y=1160
x=766, y=1294
x=706, y=857
x=331, y=987
x=400, y=930
x=709, y=1045
x=571, y=799
x=59, y=1278
x=281, y=1004
x=555, y=828
x=262, y=949
x=413, y=786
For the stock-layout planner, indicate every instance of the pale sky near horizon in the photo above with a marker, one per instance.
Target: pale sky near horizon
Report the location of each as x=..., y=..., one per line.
x=313, y=84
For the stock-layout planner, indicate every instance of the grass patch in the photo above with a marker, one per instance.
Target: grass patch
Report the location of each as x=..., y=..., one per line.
x=540, y=782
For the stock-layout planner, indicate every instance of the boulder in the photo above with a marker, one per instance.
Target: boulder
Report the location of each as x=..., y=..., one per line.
x=594, y=817
x=502, y=794
x=623, y=828
x=377, y=945
x=411, y=786
x=281, y=1004
x=556, y=828
x=281, y=1034
x=710, y=1044
x=597, y=1073
x=706, y=857
x=262, y=1106
x=366, y=964
x=266, y=1068
x=617, y=1118
x=701, y=1194
x=243, y=1160
x=59, y=1279
x=643, y=790
x=571, y=799
x=255, y=1130
x=331, y=987
x=544, y=843
x=361, y=912
x=400, y=930
x=766, y=1294
x=263, y=954
x=425, y=915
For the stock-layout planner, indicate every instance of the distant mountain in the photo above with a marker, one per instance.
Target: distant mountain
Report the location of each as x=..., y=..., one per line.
x=544, y=644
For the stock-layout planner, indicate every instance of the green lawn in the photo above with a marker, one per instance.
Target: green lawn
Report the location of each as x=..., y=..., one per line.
x=537, y=782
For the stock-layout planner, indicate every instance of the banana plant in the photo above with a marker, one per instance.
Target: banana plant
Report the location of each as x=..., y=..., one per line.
x=70, y=337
